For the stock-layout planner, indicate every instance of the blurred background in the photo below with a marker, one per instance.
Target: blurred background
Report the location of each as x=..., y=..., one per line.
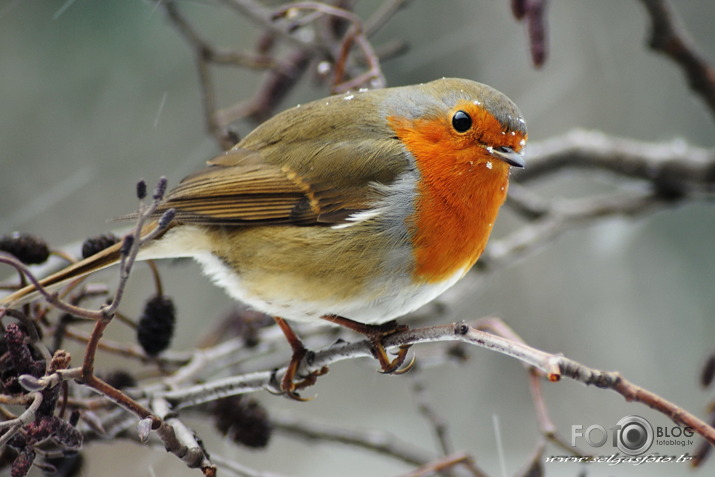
x=95, y=95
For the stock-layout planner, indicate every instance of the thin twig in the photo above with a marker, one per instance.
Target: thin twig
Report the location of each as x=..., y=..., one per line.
x=441, y=464
x=669, y=38
x=52, y=298
x=438, y=424
x=168, y=359
x=230, y=465
x=375, y=441
x=139, y=237
x=204, y=54
x=353, y=35
x=266, y=18
x=382, y=15
x=533, y=466
x=543, y=418
x=12, y=426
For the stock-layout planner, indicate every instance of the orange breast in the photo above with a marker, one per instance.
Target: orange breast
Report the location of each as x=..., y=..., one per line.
x=459, y=194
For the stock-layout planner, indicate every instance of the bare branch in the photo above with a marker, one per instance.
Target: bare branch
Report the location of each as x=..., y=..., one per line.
x=677, y=162
x=237, y=468
x=180, y=440
x=376, y=441
x=552, y=366
x=444, y=464
x=669, y=38
x=439, y=425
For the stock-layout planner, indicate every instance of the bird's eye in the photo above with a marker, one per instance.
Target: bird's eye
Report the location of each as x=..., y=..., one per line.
x=461, y=121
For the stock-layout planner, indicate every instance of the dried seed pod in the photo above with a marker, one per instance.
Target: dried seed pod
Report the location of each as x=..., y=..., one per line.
x=25, y=247
x=243, y=420
x=156, y=325
x=96, y=244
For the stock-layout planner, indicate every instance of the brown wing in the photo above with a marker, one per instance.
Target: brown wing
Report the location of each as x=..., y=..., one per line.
x=311, y=165
x=238, y=189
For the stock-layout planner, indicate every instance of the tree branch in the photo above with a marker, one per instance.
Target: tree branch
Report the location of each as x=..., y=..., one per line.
x=552, y=366
x=669, y=38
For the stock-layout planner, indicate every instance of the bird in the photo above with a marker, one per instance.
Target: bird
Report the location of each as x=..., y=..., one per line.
x=355, y=209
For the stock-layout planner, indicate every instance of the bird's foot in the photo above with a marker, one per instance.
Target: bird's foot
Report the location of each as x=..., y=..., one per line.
x=376, y=334
x=292, y=382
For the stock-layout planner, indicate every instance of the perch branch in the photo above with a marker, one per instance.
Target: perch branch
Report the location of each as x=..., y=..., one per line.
x=553, y=367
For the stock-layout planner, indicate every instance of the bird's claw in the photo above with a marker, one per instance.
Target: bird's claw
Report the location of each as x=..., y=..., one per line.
x=395, y=365
x=289, y=385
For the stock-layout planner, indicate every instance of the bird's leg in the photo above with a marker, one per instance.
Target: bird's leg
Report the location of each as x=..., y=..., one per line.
x=288, y=384
x=376, y=333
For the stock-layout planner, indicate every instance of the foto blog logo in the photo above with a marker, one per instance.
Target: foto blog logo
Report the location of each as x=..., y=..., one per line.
x=632, y=435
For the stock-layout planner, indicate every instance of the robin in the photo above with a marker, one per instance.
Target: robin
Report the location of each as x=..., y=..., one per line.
x=355, y=209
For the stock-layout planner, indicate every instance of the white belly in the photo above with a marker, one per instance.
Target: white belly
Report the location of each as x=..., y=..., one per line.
x=391, y=301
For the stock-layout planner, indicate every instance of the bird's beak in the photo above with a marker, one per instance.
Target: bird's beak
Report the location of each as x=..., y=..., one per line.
x=507, y=155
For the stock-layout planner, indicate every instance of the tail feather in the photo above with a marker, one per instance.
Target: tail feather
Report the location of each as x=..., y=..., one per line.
x=98, y=261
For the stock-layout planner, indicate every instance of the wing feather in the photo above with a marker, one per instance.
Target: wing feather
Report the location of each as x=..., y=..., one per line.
x=277, y=176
